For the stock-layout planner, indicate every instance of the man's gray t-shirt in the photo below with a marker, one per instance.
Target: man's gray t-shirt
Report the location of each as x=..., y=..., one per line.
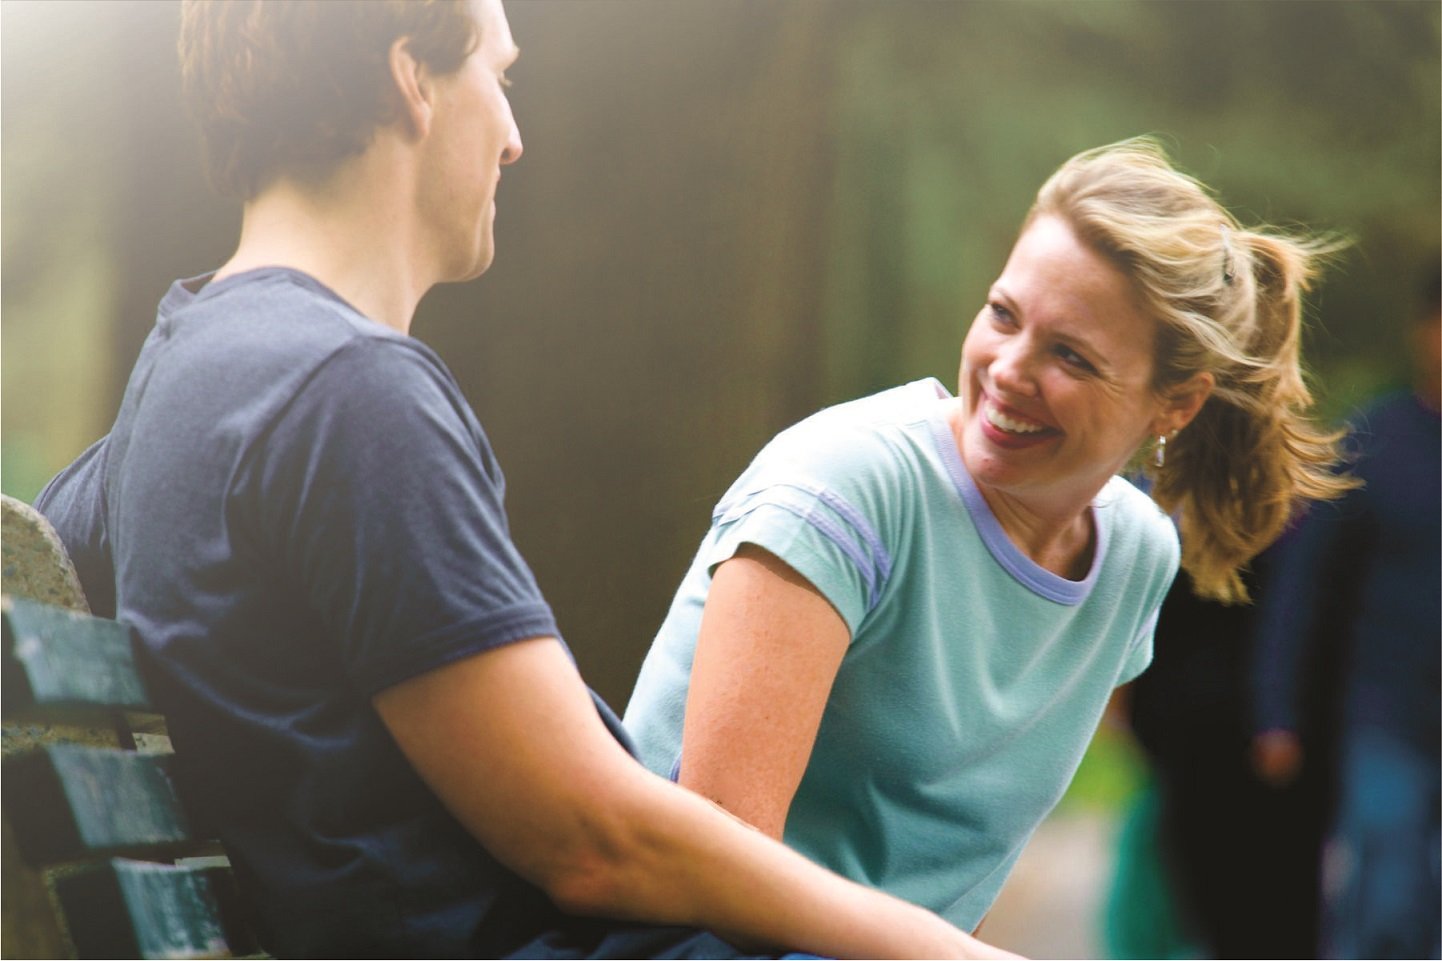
x=296, y=509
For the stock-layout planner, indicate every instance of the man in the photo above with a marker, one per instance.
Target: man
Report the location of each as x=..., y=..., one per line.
x=302, y=519
x=1368, y=568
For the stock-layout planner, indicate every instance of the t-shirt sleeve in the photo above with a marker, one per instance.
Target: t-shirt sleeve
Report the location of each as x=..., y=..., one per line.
x=1139, y=658
x=1157, y=566
x=383, y=500
x=816, y=509
x=74, y=504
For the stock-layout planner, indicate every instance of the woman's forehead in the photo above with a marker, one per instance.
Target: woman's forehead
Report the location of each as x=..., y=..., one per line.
x=1051, y=268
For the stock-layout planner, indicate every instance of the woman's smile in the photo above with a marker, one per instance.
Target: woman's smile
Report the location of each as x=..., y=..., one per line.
x=1056, y=375
x=1011, y=429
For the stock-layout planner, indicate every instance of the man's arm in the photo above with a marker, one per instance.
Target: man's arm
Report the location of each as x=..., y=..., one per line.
x=74, y=504
x=512, y=744
x=1304, y=582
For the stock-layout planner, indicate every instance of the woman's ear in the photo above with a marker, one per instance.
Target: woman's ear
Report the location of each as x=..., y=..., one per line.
x=1182, y=402
x=413, y=88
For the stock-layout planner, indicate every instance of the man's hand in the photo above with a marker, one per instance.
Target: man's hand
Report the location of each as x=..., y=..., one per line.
x=1277, y=756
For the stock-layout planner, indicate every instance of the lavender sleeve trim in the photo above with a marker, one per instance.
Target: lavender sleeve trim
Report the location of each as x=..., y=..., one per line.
x=870, y=556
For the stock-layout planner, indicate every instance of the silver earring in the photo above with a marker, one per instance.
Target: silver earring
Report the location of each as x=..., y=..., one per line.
x=1161, y=451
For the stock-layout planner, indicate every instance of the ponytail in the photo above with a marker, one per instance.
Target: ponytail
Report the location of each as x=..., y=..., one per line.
x=1228, y=301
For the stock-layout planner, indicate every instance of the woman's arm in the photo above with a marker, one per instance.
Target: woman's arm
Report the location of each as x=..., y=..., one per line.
x=512, y=744
x=766, y=656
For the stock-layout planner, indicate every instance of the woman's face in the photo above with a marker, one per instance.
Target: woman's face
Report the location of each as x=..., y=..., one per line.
x=1056, y=376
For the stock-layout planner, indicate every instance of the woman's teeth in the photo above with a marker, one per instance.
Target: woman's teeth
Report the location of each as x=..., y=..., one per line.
x=999, y=420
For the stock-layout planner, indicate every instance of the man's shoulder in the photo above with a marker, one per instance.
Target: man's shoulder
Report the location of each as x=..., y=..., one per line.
x=272, y=305
x=278, y=332
x=1399, y=412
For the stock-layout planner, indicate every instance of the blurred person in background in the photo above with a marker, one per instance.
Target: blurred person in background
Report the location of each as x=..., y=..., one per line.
x=1236, y=854
x=910, y=611
x=301, y=518
x=1372, y=565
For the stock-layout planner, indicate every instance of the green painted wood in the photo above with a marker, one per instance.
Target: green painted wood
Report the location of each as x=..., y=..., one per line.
x=68, y=802
x=68, y=806
x=56, y=658
x=138, y=909
x=34, y=564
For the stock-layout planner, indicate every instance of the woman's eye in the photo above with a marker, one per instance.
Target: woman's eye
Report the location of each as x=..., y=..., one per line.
x=999, y=314
x=1073, y=359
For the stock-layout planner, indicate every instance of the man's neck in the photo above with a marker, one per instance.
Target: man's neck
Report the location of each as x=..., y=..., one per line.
x=352, y=239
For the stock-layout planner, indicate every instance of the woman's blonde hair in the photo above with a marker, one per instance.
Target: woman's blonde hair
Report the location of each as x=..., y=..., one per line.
x=1228, y=301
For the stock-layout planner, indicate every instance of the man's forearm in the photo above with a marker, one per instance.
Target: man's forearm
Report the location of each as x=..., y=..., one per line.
x=511, y=743
x=720, y=874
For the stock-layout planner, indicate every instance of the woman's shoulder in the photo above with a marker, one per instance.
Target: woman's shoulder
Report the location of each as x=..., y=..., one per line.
x=1138, y=528
x=883, y=407
x=861, y=445
x=858, y=428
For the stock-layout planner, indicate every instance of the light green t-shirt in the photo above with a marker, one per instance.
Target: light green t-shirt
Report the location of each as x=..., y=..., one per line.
x=974, y=678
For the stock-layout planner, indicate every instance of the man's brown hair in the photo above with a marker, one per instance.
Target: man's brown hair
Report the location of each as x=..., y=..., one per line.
x=295, y=86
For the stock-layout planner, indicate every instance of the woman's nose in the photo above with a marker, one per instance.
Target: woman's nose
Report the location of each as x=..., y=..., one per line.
x=1011, y=369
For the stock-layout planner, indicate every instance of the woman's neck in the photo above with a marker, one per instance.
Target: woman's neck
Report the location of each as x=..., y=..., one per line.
x=1059, y=537
x=1064, y=545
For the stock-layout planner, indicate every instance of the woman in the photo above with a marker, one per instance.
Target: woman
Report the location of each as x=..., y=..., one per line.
x=909, y=612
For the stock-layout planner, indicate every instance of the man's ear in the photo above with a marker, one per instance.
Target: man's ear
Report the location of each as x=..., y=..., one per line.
x=413, y=88
x=1182, y=402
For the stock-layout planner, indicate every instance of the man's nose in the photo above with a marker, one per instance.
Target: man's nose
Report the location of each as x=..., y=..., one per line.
x=513, y=149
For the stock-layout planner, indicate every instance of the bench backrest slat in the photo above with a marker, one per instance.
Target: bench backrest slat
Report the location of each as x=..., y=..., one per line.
x=68, y=802
x=138, y=909
x=56, y=658
x=70, y=808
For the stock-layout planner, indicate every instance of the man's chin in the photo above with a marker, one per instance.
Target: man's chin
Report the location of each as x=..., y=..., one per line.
x=478, y=266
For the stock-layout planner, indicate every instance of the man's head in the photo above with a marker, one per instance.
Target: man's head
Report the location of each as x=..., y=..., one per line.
x=459, y=132
x=295, y=92
x=295, y=87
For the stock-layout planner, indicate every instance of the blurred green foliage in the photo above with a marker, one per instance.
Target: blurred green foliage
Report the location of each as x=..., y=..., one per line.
x=1112, y=771
x=949, y=116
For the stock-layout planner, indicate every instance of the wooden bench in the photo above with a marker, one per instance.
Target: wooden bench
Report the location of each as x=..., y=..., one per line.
x=100, y=822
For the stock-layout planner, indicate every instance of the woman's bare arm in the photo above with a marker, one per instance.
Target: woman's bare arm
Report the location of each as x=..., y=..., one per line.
x=768, y=651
